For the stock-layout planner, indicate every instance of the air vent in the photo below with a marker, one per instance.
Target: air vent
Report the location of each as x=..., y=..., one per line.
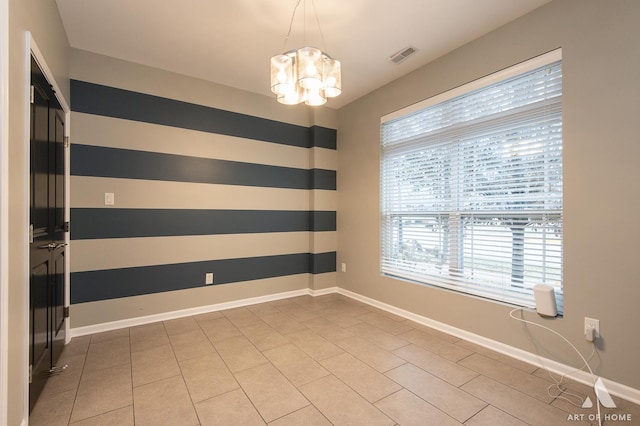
x=403, y=54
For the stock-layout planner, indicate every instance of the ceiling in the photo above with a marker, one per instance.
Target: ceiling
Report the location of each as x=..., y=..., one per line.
x=230, y=41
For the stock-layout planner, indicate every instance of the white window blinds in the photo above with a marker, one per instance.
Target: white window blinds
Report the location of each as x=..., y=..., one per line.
x=471, y=186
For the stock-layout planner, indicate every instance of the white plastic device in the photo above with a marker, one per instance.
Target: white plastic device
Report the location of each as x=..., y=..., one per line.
x=545, y=299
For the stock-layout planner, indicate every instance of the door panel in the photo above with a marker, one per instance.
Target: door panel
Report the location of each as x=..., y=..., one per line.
x=40, y=353
x=39, y=179
x=57, y=304
x=56, y=174
x=47, y=246
x=57, y=208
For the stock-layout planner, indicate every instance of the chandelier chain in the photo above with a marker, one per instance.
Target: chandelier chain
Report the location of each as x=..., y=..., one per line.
x=324, y=46
x=304, y=21
x=293, y=15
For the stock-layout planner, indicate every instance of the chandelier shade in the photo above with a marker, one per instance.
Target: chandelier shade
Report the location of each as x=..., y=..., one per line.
x=309, y=67
x=332, y=78
x=306, y=74
x=282, y=74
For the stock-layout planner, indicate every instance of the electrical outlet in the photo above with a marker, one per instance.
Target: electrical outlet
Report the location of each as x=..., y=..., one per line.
x=590, y=323
x=109, y=199
x=208, y=278
x=344, y=267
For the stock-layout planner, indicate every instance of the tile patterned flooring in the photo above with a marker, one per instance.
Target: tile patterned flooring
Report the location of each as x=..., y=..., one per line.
x=300, y=361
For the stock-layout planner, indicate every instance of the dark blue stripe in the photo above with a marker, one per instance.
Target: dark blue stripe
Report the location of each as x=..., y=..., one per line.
x=323, y=137
x=97, y=223
x=126, y=282
x=322, y=221
x=108, y=101
x=323, y=262
x=100, y=161
x=323, y=179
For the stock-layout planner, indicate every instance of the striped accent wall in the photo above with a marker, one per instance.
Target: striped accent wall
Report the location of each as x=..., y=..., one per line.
x=197, y=190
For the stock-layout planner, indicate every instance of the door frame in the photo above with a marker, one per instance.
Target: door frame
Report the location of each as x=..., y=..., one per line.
x=4, y=207
x=33, y=50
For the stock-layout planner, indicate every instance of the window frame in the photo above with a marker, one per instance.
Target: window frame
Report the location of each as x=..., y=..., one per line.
x=501, y=296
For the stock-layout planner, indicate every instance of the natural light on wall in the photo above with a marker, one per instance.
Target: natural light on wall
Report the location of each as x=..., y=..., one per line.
x=471, y=186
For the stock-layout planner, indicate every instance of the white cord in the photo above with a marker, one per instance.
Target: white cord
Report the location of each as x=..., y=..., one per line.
x=558, y=382
x=586, y=363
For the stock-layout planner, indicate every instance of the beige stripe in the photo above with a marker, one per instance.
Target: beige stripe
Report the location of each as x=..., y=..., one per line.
x=89, y=255
x=113, y=72
x=326, y=280
x=89, y=192
x=104, y=311
x=323, y=242
x=323, y=200
x=127, y=134
x=323, y=158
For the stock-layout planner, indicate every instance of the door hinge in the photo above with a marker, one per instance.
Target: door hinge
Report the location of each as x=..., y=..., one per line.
x=32, y=94
x=57, y=370
x=65, y=226
x=65, y=311
x=30, y=373
x=31, y=233
x=66, y=141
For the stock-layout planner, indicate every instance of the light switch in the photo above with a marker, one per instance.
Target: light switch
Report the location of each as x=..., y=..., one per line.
x=109, y=199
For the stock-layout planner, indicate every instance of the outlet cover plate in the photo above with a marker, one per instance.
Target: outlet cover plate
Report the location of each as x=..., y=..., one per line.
x=592, y=323
x=208, y=278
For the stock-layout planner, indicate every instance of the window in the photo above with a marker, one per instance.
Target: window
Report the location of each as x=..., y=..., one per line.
x=471, y=186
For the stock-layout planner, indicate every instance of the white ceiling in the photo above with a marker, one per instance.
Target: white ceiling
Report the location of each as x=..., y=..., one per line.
x=230, y=41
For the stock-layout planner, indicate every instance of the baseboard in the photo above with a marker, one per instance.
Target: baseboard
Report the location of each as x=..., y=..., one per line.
x=165, y=316
x=324, y=291
x=614, y=388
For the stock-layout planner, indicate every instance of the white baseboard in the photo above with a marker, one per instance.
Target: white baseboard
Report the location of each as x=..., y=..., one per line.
x=614, y=388
x=324, y=291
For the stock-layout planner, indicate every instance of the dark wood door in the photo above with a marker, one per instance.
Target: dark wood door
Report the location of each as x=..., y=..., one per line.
x=58, y=228
x=47, y=233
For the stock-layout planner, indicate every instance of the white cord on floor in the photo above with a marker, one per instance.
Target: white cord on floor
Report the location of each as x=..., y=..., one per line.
x=557, y=383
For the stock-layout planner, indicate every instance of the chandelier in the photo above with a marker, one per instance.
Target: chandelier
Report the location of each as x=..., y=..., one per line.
x=306, y=74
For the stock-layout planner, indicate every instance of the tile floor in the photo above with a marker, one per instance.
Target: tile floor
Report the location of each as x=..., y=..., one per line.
x=299, y=361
